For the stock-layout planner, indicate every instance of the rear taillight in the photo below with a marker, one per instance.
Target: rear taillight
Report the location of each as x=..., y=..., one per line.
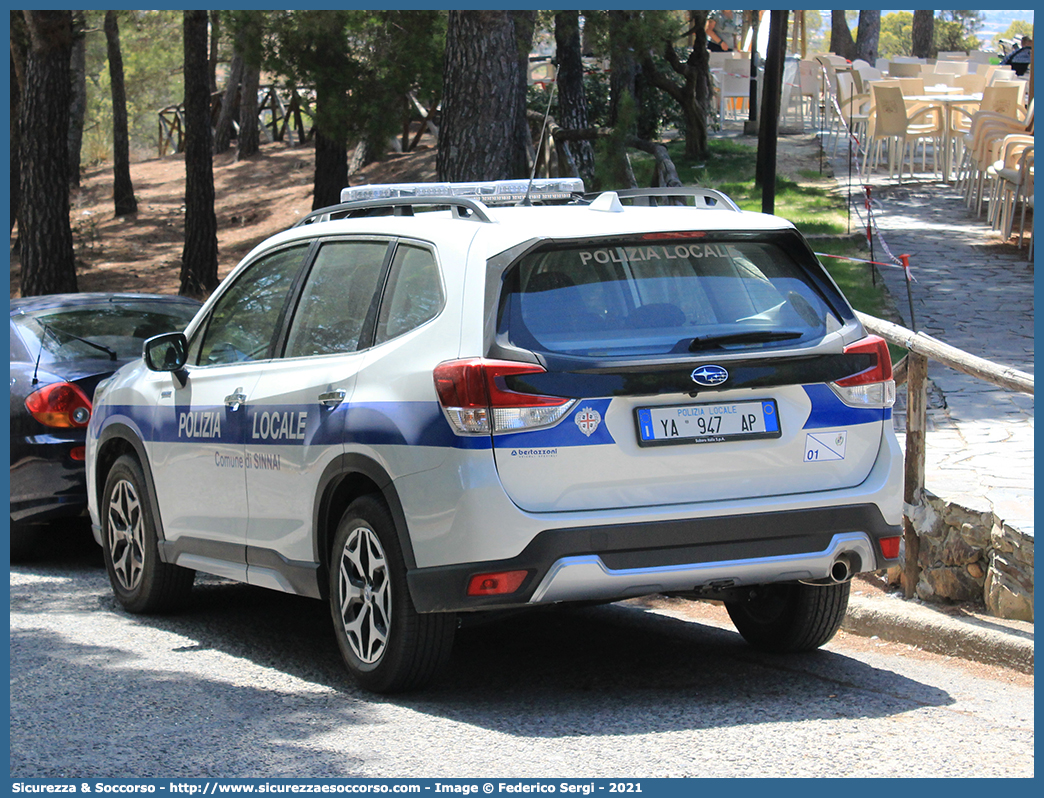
x=475, y=397
x=873, y=386
x=60, y=404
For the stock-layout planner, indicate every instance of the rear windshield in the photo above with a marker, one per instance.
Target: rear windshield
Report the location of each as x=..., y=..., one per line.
x=94, y=332
x=661, y=297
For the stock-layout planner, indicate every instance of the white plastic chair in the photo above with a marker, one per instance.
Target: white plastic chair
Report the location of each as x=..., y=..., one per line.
x=1026, y=165
x=853, y=106
x=998, y=72
x=738, y=66
x=984, y=127
x=903, y=69
x=953, y=67
x=988, y=134
x=717, y=60
x=734, y=88
x=1008, y=174
x=970, y=84
x=890, y=124
x=809, y=88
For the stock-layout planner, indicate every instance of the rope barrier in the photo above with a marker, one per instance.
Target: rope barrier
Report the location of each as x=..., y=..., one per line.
x=870, y=223
x=859, y=260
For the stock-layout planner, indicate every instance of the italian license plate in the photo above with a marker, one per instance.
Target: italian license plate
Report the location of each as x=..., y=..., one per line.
x=707, y=423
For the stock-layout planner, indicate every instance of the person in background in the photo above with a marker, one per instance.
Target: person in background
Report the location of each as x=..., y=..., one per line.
x=1019, y=60
x=722, y=32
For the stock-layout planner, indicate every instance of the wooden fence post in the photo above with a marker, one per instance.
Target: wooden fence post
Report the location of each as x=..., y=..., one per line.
x=913, y=489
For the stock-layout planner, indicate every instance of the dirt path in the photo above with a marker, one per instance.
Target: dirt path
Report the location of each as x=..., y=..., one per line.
x=254, y=199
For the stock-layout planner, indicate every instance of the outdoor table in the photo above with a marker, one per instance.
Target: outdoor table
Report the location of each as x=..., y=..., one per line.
x=947, y=102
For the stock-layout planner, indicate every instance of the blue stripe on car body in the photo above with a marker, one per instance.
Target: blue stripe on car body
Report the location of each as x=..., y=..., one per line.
x=829, y=411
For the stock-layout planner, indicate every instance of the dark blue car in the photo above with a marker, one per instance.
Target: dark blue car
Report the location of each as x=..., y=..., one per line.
x=62, y=346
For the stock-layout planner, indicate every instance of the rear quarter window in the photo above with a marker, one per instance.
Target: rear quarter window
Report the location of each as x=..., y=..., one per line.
x=414, y=294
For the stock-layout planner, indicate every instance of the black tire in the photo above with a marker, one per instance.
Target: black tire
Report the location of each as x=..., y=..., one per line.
x=25, y=540
x=792, y=617
x=386, y=644
x=141, y=581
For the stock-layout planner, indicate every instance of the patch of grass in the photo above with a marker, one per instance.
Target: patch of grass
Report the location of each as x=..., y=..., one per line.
x=814, y=209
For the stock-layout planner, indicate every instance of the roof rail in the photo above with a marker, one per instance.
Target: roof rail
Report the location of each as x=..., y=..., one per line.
x=462, y=207
x=711, y=198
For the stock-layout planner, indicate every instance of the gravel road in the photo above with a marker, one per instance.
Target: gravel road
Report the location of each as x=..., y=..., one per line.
x=248, y=683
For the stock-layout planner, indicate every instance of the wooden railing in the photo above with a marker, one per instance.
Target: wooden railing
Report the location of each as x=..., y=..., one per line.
x=913, y=369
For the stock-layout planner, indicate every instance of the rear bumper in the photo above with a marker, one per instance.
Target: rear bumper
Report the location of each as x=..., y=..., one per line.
x=587, y=577
x=46, y=483
x=626, y=560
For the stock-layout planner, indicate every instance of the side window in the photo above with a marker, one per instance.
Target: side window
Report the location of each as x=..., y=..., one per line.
x=414, y=293
x=245, y=319
x=337, y=299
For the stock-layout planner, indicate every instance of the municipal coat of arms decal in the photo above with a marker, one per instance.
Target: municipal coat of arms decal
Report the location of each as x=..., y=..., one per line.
x=588, y=420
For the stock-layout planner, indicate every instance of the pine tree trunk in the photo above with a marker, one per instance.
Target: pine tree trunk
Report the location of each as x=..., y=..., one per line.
x=699, y=98
x=572, y=100
x=868, y=35
x=922, y=33
x=623, y=72
x=249, y=136
x=78, y=106
x=48, y=262
x=199, y=257
x=229, y=105
x=841, y=41
x=251, y=47
x=215, y=38
x=484, y=133
x=17, y=72
x=331, y=146
x=122, y=189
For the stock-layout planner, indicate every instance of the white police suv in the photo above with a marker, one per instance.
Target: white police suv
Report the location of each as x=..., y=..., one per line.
x=437, y=399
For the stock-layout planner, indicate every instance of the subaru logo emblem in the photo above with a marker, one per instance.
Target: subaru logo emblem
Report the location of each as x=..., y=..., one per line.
x=709, y=375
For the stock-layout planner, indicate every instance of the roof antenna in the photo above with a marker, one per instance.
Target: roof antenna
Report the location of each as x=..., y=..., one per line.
x=43, y=338
x=543, y=127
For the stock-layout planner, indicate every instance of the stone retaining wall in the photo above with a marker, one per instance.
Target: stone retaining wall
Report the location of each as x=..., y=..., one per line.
x=973, y=556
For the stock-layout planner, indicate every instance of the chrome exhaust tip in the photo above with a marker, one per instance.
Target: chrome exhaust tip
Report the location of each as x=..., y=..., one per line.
x=841, y=569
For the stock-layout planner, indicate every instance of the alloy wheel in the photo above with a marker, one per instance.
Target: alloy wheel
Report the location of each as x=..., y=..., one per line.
x=365, y=595
x=126, y=535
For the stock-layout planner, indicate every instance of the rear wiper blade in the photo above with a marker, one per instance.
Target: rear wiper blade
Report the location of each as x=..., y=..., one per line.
x=702, y=342
x=56, y=331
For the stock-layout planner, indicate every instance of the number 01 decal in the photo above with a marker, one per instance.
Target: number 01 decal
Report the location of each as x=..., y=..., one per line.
x=821, y=446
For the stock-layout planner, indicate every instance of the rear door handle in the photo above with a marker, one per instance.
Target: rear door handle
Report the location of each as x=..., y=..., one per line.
x=234, y=400
x=332, y=398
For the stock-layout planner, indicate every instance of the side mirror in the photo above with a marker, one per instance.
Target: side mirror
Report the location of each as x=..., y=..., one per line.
x=167, y=352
